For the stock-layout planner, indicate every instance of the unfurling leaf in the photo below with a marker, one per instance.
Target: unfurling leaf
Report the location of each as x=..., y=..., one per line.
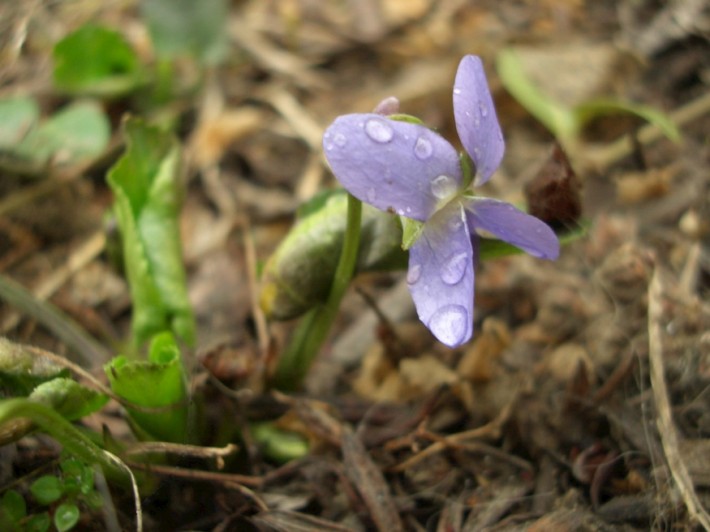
x=157, y=382
x=299, y=274
x=145, y=183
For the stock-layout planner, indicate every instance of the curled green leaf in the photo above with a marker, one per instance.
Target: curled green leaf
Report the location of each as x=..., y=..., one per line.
x=145, y=185
x=157, y=382
x=299, y=274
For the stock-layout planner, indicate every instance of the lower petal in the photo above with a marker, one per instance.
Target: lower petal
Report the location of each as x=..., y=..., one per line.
x=441, y=276
x=512, y=225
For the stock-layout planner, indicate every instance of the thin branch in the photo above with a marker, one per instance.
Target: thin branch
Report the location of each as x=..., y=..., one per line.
x=666, y=428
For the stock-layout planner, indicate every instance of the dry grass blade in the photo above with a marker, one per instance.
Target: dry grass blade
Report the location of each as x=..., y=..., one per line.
x=296, y=522
x=666, y=428
x=370, y=483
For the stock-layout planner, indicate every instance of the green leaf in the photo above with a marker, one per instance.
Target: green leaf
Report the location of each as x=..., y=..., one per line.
x=17, y=116
x=181, y=27
x=159, y=382
x=93, y=500
x=37, y=523
x=66, y=516
x=97, y=61
x=147, y=204
x=79, y=474
x=78, y=132
x=12, y=508
x=557, y=118
x=69, y=398
x=299, y=274
x=411, y=231
x=47, y=489
x=72, y=439
x=21, y=370
x=279, y=444
x=403, y=117
x=589, y=110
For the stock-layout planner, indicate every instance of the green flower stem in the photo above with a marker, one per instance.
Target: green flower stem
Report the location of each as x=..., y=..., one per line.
x=72, y=439
x=314, y=327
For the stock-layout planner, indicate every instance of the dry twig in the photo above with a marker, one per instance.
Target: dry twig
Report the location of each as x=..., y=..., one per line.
x=666, y=428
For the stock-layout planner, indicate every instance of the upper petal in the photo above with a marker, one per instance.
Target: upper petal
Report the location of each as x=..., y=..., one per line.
x=440, y=276
x=392, y=165
x=512, y=225
x=476, y=120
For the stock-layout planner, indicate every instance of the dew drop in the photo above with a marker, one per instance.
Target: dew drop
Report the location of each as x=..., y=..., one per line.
x=443, y=186
x=378, y=130
x=423, y=148
x=454, y=268
x=450, y=324
x=340, y=140
x=414, y=273
x=457, y=90
x=371, y=195
x=483, y=108
x=454, y=224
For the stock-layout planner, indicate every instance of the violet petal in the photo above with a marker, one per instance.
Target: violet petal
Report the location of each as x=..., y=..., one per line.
x=441, y=275
x=507, y=223
x=476, y=120
x=393, y=165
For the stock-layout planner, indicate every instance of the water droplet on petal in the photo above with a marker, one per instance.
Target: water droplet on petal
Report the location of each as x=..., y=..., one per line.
x=457, y=90
x=450, y=324
x=443, y=186
x=423, y=148
x=378, y=130
x=483, y=108
x=340, y=139
x=371, y=195
x=454, y=268
x=414, y=273
x=455, y=223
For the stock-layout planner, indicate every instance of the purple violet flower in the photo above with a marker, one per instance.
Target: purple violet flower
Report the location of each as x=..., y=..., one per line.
x=408, y=169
